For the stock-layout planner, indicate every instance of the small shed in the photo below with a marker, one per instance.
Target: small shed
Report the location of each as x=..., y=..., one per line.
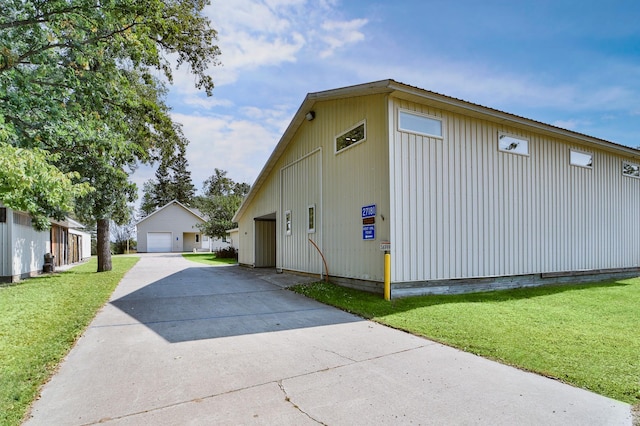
x=23, y=248
x=464, y=197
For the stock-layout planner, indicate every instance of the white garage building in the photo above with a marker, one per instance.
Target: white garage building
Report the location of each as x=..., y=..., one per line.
x=465, y=197
x=174, y=228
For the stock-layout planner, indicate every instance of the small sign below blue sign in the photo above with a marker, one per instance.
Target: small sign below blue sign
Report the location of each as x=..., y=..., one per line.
x=368, y=232
x=369, y=211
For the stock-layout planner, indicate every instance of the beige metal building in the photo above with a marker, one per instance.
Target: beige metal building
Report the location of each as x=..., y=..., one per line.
x=465, y=197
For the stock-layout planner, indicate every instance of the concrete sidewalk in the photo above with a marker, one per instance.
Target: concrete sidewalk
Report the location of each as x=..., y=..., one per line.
x=180, y=343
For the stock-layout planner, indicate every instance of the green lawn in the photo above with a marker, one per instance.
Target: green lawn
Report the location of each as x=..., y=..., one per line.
x=208, y=259
x=587, y=335
x=40, y=319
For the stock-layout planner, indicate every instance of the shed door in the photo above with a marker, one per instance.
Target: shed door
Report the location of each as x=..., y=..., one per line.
x=158, y=242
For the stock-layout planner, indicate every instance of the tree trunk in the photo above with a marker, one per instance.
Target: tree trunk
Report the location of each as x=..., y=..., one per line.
x=104, y=246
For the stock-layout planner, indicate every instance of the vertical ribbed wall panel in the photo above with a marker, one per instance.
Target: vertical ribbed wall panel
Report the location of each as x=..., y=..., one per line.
x=5, y=253
x=462, y=208
x=301, y=184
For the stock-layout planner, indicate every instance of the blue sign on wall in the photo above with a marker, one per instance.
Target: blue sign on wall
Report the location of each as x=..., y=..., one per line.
x=369, y=211
x=368, y=232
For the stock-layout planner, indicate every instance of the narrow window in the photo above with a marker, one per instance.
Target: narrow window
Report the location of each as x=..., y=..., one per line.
x=352, y=136
x=512, y=144
x=197, y=238
x=630, y=169
x=3, y=214
x=311, y=216
x=287, y=222
x=581, y=159
x=421, y=124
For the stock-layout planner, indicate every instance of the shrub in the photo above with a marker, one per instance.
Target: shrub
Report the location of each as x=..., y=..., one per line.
x=227, y=253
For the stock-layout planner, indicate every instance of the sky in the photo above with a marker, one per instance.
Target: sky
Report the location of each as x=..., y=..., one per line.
x=572, y=64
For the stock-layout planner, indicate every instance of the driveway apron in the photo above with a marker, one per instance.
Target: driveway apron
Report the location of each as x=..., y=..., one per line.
x=186, y=344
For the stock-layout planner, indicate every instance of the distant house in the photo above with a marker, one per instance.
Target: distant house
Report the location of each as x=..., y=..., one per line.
x=22, y=248
x=234, y=237
x=464, y=197
x=174, y=228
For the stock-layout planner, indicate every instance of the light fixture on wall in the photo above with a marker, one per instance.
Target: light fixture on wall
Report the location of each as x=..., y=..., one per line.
x=310, y=115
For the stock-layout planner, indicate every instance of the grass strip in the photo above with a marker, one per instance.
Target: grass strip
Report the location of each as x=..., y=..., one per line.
x=587, y=335
x=208, y=259
x=41, y=320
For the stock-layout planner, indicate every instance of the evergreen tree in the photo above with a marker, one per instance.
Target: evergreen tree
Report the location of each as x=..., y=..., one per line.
x=172, y=182
x=148, y=205
x=163, y=188
x=182, y=186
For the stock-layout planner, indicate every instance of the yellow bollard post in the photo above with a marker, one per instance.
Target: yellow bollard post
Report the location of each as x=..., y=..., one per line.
x=387, y=276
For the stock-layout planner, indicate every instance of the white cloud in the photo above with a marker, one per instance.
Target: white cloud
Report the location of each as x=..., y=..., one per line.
x=337, y=34
x=237, y=145
x=206, y=102
x=262, y=33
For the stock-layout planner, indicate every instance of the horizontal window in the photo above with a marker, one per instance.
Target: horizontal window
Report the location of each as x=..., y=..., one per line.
x=630, y=169
x=352, y=136
x=581, y=159
x=513, y=144
x=421, y=124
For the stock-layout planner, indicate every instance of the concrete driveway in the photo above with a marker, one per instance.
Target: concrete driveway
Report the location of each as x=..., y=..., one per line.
x=185, y=344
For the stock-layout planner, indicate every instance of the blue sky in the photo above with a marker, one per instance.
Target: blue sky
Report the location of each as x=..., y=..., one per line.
x=572, y=64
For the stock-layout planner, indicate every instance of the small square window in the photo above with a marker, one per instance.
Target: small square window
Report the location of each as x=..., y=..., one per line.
x=513, y=144
x=421, y=124
x=311, y=216
x=287, y=222
x=353, y=136
x=581, y=159
x=631, y=170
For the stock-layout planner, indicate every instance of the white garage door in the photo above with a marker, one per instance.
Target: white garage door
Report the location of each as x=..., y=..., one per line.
x=158, y=242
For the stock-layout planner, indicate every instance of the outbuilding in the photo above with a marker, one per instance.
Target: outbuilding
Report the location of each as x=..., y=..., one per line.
x=464, y=197
x=23, y=248
x=174, y=228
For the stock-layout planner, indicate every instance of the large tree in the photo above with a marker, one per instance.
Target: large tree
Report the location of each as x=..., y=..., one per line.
x=77, y=80
x=28, y=182
x=222, y=198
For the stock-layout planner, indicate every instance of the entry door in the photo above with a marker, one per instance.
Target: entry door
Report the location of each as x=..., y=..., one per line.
x=300, y=193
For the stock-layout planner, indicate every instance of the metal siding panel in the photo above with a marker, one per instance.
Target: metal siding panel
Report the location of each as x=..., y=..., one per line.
x=28, y=249
x=301, y=188
x=490, y=213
